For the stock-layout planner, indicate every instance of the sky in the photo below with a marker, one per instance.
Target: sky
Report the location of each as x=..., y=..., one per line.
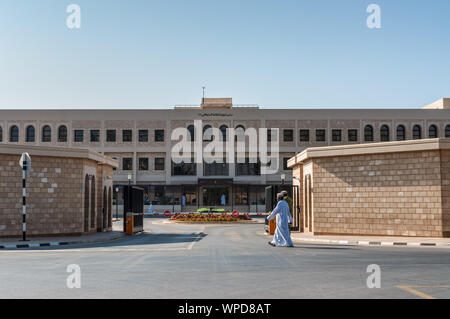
x=274, y=53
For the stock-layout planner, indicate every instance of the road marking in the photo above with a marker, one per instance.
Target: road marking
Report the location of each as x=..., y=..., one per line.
x=413, y=290
x=199, y=236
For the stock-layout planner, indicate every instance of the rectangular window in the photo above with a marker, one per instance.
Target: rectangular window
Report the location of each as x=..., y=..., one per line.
x=143, y=135
x=143, y=164
x=110, y=135
x=320, y=135
x=115, y=168
x=304, y=135
x=285, y=163
x=215, y=169
x=159, y=163
x=184, y=169
x=288, y=135
x=127, y=135
x=272, y=134
x=190, y=193
x=240, y=195
x=95, y=136
x=159, y=135
x=127, y=164
x=353, y=135
x=78, y=135
x=336, y=135
x=269, y=135
x=247, y=168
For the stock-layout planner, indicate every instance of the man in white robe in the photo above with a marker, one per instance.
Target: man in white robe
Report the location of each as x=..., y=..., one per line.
x=282, y=236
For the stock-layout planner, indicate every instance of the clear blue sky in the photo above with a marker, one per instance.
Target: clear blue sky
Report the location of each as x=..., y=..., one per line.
x=275, y=53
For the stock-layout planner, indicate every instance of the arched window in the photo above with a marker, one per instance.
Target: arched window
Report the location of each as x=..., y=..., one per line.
x=30, y=134
x=1, y=134
x=368, y=133
x=207, y=133
x=224, y=132
x=93, y=210
x=46, y=134
x=401, y=133
x=14, y=134
x=384, y=133
x=447, y=132
x=239, y=133
x=433, y=131
x=191, y=132
x=417, y=132
x=62, y=134
x=86, y=203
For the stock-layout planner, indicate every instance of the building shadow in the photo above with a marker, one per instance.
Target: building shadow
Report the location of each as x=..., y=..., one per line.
x=138, y=240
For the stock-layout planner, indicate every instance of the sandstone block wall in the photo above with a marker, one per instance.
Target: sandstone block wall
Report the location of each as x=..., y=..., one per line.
x=54, y=201
x=393, y=194
x=55, y=196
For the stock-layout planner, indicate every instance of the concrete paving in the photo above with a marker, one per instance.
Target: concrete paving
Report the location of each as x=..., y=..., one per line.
x=221, y=261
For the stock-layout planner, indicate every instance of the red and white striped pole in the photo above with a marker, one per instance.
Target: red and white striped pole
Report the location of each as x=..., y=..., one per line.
x=24, y=200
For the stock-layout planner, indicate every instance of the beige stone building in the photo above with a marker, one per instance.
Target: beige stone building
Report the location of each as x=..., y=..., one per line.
x=140, y=139
x=69, y=191
x=389, y=189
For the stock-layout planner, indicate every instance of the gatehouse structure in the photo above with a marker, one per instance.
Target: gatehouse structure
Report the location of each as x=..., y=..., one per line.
x=399, y=188
x=69, y=191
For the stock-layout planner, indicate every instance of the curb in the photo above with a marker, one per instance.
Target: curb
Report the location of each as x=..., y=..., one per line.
x=370, y=243
x=58, y=243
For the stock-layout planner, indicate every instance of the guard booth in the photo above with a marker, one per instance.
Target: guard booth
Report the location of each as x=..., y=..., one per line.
x=271, y=202
x=133, y=197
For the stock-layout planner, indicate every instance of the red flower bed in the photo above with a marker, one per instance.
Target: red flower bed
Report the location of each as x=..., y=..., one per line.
x=191, y=217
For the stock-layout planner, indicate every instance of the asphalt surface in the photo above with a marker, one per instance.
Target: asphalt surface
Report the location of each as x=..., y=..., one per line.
x=221, y=261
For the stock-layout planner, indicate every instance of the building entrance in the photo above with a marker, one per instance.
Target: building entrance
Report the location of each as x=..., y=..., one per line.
x=215, y=196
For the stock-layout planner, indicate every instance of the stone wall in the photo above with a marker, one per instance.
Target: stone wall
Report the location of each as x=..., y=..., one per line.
x=55, y=193
x=54, y=202
x=395, y=194
x=445, y=187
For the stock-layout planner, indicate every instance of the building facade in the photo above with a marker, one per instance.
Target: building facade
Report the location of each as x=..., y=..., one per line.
x=141, y=142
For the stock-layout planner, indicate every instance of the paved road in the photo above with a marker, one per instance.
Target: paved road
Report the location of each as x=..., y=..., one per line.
x=222, y=261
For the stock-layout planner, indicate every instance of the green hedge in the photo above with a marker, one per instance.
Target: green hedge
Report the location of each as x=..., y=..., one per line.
x=207, y=210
